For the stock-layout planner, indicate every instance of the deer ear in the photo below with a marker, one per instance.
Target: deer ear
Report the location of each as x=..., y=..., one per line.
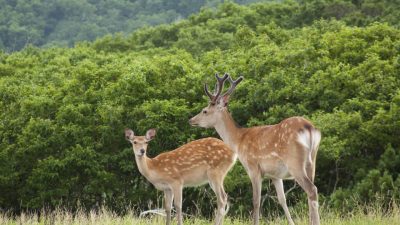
x=129, y=134
x=150, y=134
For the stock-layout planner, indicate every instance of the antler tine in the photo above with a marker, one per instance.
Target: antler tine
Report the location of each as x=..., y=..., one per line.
x=207, y=92
x=223, y=78
x=215, y=88
x=218, y=87
x=233, y=85
x=221, y=81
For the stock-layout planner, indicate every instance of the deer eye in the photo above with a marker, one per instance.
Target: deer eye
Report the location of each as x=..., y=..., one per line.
x=135, y=142
x=205, y=111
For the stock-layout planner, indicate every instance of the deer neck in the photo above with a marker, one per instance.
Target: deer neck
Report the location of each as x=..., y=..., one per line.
x=228, y=130
x=143, y=163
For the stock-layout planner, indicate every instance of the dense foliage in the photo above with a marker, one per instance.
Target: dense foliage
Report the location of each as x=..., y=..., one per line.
x=63, y=111
x=64, y=22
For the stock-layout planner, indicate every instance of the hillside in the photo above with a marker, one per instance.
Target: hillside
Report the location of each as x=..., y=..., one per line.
x=66, y=22
x=64, y=109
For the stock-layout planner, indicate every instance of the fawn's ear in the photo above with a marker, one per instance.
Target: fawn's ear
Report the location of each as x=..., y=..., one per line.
x=150, y=134
x=129, y=135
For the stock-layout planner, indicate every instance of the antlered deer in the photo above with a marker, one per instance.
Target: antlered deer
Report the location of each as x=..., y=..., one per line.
x=193, y=164
x=285, y=150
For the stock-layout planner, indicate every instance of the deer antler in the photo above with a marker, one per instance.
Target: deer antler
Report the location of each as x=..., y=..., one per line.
x=219, y=86
x=233, y=85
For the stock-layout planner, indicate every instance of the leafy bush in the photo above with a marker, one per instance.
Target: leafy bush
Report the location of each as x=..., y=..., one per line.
x=64, y=110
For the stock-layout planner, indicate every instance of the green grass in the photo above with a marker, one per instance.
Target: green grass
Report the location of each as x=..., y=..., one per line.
x=361, y=216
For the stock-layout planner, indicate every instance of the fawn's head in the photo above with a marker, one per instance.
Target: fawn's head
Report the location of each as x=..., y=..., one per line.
x=211, y=114
x=139, y=143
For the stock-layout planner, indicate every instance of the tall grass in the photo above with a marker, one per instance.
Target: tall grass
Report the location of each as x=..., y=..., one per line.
x=371, y=214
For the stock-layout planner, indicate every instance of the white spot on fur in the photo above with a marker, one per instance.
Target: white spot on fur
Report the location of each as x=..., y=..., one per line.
x=266, y=156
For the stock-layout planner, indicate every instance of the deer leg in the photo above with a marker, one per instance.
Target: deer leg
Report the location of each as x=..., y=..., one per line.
x=301, y=167
x=168, y=204
x=312, y=203
x=216, y=183
x=310, y=165
x=310, y=168
x=256, y=184
x=178, y=204
x=312, y=194
x=225, y=199
x=278, y=183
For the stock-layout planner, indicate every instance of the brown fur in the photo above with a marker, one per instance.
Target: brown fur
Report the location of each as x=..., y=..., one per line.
x=280, y=151
x=192, y=164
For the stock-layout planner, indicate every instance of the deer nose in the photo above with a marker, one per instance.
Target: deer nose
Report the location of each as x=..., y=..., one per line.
x=141, y=151
x=191, y=121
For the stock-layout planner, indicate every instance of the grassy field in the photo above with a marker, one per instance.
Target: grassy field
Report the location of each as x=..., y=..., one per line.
x=361, y=216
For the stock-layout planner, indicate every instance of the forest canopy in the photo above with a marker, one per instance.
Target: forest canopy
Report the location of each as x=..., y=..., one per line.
x=64, y=110
x=65, y=22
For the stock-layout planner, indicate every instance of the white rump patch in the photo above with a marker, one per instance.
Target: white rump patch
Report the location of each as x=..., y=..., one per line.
x=304, y=139
x=316, y=139
x=311, y=143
